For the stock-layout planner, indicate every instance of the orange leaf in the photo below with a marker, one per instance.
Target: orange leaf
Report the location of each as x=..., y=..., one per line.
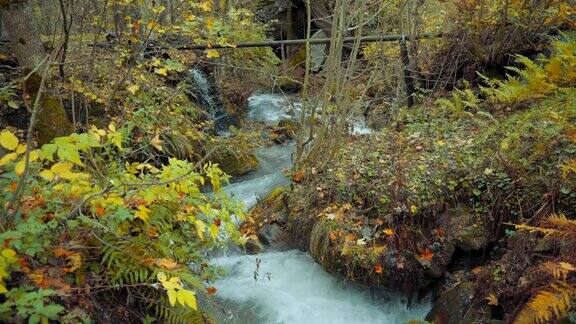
x=100, y=211
x=298, y=176
x=427, y=255
x=13, y=186
x=152, y=232
x=333, y=235
x=167, y=263
x=389, y=231
x=211, y=291
x=378, y=268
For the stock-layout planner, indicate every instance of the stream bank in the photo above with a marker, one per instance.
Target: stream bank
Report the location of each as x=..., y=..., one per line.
x=281, y=284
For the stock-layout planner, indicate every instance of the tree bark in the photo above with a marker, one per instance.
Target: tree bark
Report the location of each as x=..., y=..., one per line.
x=29, y=50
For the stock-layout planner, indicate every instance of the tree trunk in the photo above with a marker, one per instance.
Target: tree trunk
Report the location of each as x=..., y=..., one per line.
x=29, y=50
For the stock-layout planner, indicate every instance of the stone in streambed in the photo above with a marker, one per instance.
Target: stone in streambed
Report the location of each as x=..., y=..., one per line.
x=456, y=306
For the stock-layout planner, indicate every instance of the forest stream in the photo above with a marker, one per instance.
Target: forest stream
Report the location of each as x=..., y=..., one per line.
x=288, y=286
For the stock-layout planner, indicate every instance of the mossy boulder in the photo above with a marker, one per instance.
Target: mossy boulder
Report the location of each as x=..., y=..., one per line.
x=469, y=231
x=288, y=85
x=237, y=163
x=266, y=222
x=457, y=306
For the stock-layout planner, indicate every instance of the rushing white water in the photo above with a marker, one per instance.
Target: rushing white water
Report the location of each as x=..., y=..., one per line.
x=271, y=108
x=292, y=288
x=255, y=185
x=289, y=286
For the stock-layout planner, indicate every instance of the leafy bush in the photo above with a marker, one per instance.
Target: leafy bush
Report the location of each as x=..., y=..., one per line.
x=84, y=223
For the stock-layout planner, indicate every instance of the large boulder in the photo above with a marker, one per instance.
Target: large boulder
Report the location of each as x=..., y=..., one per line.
x=457, y=306
x=237, y=164
x=469, y=231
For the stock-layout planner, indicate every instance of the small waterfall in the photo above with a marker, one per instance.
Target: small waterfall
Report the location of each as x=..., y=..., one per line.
x=209, y=99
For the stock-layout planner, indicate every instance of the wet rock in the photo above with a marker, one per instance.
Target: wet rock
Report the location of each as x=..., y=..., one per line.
x=456, y=306
x=237, y=164
x=270, y=234
x=253, y=246
x=442, y=257
x=469, y=231
x=285, y=131
x=288, y=85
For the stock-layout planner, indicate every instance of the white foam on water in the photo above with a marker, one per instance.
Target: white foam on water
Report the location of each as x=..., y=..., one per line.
x=271, y=108
x=292, y=288
x=256, y=185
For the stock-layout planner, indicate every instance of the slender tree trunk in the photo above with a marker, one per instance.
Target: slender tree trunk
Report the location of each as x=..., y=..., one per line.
x=29, y=50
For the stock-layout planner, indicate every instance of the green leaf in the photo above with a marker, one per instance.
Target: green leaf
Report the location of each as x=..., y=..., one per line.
x=47, y=152
x=69, y=152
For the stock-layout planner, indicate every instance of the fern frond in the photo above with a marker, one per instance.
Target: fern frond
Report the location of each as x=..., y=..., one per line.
x=551, y=302
x=561, y=223
x=559, y=270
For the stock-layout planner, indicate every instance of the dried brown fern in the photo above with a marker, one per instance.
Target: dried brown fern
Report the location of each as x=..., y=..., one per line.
x=561, y=223
x=554, y=301
x=558, y=270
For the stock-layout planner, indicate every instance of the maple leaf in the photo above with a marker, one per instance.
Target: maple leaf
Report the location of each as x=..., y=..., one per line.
x=211, y=291
x=427, y=255
x=378, y=268
x=492, y=299
x=389, y=231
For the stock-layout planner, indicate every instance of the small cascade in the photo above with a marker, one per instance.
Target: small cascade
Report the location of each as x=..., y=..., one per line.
x=271, y=108
x=208, y=97
x=289, y=286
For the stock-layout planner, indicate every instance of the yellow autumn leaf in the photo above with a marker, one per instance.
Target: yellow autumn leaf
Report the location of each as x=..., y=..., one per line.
x=157, y=142
x=143, y=213
x=161, y=71
x=492, y=299
x=214, y=231
x=64, y=170
x=212, y=53
x=20, y=166
x=200, y=228
x=206, y=5
x=47, y=174
x=8, y=158
x=133, y=88
x=172, y=296
x=33, y=156
x=186, y=298
x=8, y=140
x=21, y=149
